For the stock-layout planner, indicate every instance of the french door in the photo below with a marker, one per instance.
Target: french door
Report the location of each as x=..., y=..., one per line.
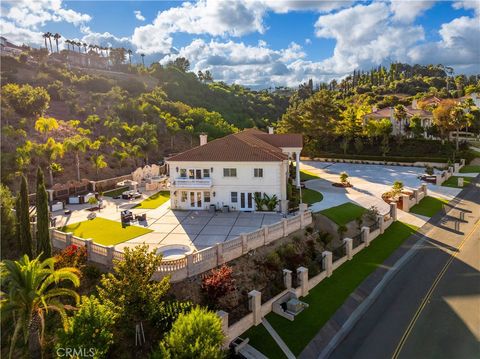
x=195, y=199
x=246, y=201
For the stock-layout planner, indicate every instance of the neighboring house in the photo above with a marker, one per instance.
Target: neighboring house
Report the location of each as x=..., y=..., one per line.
x=229, y=171
x=9, y=49
x=397, y=127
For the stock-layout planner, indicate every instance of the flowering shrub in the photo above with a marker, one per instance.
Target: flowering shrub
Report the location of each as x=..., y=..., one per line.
x=71, y=256
x=218, y=283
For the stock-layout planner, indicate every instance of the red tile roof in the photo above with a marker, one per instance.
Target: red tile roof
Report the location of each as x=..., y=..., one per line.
x=247, y=146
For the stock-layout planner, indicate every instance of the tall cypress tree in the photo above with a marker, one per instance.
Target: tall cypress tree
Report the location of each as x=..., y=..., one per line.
x=23, y=217
x=43, y=233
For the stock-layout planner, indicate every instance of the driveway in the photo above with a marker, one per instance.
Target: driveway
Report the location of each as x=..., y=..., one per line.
x=369, y=183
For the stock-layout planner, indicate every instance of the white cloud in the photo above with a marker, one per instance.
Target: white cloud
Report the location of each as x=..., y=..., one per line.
x=468, y=5
x=308, y=41
x=104, y=39
x=31, y=14
x=372, y=40
x=19, y=35
x=459, y=45
x=138, y=15
x=284, y=6
x=408, y=10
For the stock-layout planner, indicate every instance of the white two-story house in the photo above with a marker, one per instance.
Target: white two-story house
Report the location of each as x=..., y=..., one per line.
x=229, y=171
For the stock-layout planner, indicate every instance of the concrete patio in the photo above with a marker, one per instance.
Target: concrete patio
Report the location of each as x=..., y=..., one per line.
x=199, y=229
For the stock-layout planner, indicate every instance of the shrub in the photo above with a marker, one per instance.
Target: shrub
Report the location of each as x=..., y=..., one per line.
x=324, y=238
x=26, y=100
x=197, y=334
x=71, y=256
x=372, y=213
x=163, y=316
x=273, y=261
x=397, y=188
x=342, y=230
x=429, y=170
x=90, y=327
x=344, y=178
x=217, y=284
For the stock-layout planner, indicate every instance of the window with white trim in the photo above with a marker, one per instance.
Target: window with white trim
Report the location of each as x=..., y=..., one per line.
x=229, y=172
x=234, y=197
x=206, y=197
x=258, y=172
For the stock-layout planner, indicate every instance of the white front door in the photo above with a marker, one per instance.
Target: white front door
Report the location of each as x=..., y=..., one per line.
x=195, y=199
x=246, y=201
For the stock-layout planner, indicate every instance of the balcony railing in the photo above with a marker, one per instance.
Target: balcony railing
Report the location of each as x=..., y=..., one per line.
x=192, y=182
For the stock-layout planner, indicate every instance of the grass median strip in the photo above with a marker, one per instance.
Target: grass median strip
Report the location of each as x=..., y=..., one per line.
x=328, y=296
x=104, y=231
x=470, y=169
x=344, y=213
x=453, y=182
x=428, y=206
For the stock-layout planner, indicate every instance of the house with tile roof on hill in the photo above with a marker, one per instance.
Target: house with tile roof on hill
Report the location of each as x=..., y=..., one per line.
x=230, y=171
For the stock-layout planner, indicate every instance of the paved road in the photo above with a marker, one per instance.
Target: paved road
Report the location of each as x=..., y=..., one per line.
x=431, y=308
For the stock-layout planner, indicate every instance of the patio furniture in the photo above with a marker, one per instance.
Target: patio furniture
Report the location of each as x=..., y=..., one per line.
x=126, y=216
x=92, y=216
x=141, y=217
x=212, y=208
x=225, y=209
x=67, y=212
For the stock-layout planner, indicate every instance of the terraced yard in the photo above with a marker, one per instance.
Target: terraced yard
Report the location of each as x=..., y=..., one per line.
x=428, y=206
x=344, y=213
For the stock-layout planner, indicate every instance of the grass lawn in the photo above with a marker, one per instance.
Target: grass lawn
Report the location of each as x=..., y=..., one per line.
x=155, y=200
x=344, y=213
x=311, y=196
x=104, y=231
x=452, y=182
x=470, y=169
x=115, y=192
x=428, y=206
x=329, y=295
x=307, y=175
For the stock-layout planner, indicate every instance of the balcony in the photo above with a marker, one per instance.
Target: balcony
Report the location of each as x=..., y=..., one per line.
x=181, y=182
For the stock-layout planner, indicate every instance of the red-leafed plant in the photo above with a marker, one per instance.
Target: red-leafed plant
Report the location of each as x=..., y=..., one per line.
x=71, y=256
x=217, y=284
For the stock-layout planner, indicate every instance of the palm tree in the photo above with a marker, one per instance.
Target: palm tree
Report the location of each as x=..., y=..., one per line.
x=56, y=37
x=50, y=41
x=52, y=150
x=79, y=45
x=85, y=47
x=45, y=36
x=400, y=114
x=46, y=124
x=98, y=162
x=77, y=144
x=32, y=290
x=143, y=60
x=68, y=42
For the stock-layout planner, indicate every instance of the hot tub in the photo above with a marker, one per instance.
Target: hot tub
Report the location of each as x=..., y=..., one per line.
x=174, y=251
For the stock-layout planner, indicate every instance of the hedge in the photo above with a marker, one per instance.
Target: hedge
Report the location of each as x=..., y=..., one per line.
x=384, y=159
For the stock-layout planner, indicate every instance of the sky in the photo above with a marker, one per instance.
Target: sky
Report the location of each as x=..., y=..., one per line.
x=263, y=43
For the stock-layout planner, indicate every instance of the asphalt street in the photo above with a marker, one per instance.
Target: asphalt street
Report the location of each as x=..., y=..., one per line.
x=431, y=307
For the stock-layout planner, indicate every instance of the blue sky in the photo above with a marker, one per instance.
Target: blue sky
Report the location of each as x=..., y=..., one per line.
x=260, y=43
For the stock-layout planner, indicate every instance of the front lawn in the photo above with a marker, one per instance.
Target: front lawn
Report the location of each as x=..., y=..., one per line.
x=328, y=296
x=155, y=200
x=344, y=213
x=307, y=175
x=470, y=169
x=311, y=196
x=453, y=182
x=428, y=206
x=104, y=231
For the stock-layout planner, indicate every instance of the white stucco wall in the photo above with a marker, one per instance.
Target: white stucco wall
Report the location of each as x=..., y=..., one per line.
x=272, y=182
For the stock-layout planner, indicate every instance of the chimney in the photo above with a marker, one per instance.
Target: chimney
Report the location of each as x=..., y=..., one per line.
x=203, y=139
x=270, y=130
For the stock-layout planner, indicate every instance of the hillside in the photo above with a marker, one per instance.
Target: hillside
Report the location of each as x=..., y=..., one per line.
x=129, y=117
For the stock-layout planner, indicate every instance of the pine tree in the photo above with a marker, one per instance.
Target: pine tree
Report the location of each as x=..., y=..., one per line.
x=23, y=219
x=43, y=234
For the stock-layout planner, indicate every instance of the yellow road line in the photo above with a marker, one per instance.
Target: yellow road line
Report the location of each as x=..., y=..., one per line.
x=427, y=297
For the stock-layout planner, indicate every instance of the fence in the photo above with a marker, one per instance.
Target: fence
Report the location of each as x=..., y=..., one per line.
x=298, y=283
x=197, y=262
